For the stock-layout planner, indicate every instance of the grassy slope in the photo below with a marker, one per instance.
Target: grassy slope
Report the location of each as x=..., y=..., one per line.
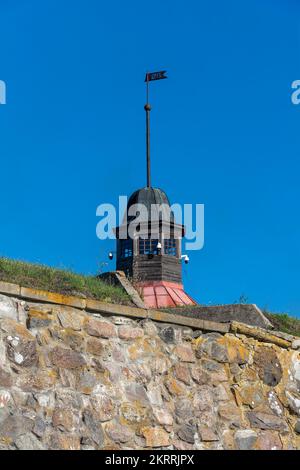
x=60, y=281
x=283, y=322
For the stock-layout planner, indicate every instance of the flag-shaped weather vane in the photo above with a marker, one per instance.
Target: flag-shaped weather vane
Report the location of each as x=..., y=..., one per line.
x=150, y=76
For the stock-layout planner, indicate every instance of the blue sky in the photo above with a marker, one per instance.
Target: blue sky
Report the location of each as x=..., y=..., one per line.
x=224, y=133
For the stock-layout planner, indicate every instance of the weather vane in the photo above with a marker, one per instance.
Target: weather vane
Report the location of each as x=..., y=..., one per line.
x=150, y=77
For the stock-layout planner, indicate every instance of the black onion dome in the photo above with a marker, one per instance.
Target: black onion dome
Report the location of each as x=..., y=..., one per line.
x=149, y=197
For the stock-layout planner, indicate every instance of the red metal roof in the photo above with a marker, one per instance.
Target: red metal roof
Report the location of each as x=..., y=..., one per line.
x=159, y=294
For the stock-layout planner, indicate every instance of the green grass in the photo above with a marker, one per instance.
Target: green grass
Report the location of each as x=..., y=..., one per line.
x=60, y=281
x=283, y=322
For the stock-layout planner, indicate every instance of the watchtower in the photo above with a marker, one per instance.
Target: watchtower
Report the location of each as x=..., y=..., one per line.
x=149, y=242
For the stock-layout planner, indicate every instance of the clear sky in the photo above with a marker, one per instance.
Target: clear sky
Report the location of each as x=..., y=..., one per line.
x=224, y=133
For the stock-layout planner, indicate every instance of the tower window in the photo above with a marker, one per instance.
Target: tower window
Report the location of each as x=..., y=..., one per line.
x=170, y=247
x=148, y=246
x=126, y=248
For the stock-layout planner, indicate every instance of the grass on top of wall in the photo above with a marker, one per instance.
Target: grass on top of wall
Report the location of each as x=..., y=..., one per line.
x=284, y=322
x=61, y=281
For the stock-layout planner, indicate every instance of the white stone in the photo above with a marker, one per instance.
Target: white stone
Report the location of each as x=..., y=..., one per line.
x=18, y=358
x=294, y=402
x=43, y=400
x=8, y=308
x=296, y=344
x=4, y=398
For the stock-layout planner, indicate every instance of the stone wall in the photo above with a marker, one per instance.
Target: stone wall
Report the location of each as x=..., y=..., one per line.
x=73, y=379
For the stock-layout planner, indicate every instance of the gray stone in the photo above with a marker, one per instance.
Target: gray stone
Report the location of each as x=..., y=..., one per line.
x=86, y=383
x=14, y=426
x=94, y=427
x=266, y=421
x=214, y=350
x=183, y=410
x=168, y=334
x=136, y=392
x=187, y=433
x=65, y=397
x=39, y=427
x=36, y=322
x=29, y=442
x=297, y=426
x=245, y=439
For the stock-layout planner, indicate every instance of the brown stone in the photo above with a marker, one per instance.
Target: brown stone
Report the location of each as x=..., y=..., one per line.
x=160, y=364
x=133, y=413
x=155, y=437
x=182, y=372
x=268, y=440
x=94, y=347
x=69, y=337
x=128, y=332
x=228, y=440
x=268, y=364
x=67, y=358
x=231, y=413
x=103, y=406
x=163, y=416
x=70, y=318
x=6, y=379
x=65, y=419
x=204, y=398
x=175, y=387
x=40, y=380
x=185, y=353
x=200, y=376
x=236, y=351
x=215, y=370
x=22, y=352
x=207, y=434
x=251, y=394
x=181, y=445
x=101, y=329
x=86, y=382
x=65, y=442
x=118, y=432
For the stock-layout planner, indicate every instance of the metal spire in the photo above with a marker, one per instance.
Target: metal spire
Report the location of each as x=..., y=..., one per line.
x=147, y=107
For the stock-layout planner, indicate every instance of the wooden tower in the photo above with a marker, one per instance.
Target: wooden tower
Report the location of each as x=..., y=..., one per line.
x=150, y=251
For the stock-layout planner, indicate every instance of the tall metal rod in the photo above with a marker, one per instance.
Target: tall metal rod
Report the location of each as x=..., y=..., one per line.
x=147, y=108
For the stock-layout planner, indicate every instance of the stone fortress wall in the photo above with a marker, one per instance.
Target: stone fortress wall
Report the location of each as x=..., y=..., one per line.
x=81, y=374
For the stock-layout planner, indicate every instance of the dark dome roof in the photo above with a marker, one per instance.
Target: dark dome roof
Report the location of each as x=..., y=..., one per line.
x=148, y=197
